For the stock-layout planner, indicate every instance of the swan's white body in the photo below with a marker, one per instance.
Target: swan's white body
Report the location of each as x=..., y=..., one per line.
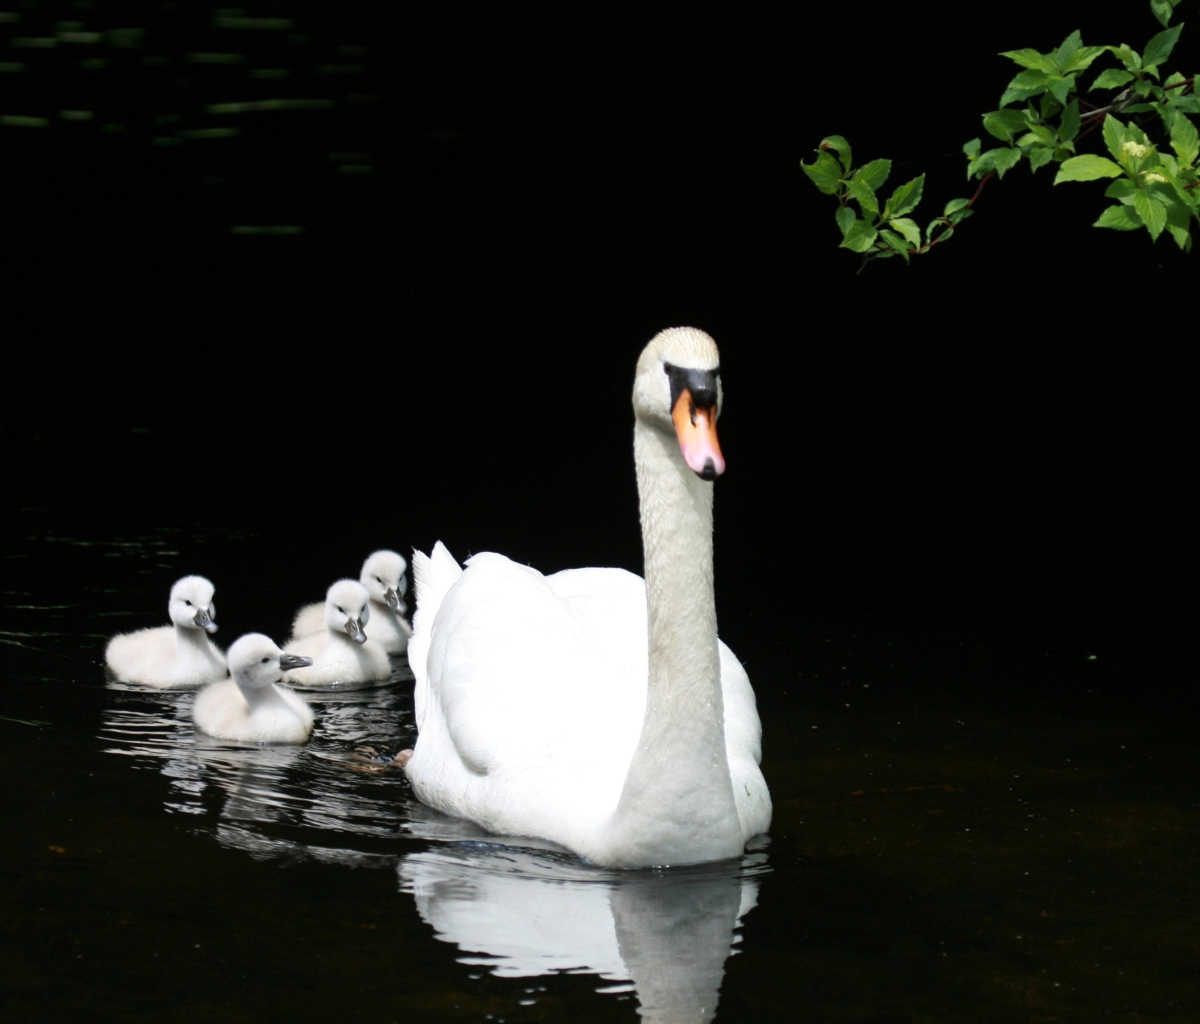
x=172, y=657
x=586, y=707
x=341, y=653
x=250, y=707
x=384, y=576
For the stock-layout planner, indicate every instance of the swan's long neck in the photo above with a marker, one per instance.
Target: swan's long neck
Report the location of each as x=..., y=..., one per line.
x=677, y=803
x=191, y=645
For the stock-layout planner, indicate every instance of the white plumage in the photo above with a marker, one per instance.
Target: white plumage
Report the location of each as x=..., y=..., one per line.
x=250, y=707
x=176, y=656
x=384, y=574
x=575, y=708
x=342, y=653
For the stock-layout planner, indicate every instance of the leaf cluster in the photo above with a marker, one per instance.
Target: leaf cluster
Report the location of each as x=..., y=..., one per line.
x=1042, y=118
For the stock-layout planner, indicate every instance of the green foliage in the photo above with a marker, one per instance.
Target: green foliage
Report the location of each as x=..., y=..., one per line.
x=1044, y=114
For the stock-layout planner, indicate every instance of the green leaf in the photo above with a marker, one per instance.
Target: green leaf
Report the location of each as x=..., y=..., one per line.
x=895, y=243
x=1039, y=156
x=905, y=198
x=1122, y=189
x=846, y=218
x=841, y=146
x=1114, y=135
x=874, y=174
x=909, y=229
x=1004, y=160
x=1031, y=59
x=955, y=205
x=1069, y=127
x=1179, y=221
x=1127, y=56
x=1038, y=133
x=1185, y=141
x=1004, y=124
x=972, y=149
x=1060, y=87
x=1159, y=48
x=865, y=196
x=1026, y=85
x=1120, y=217
x=825, y=172
x=1072, y=55
x=860, y=237
x=1152, y=212
x=1112, y=78
x=1087, y=167
x=1162, y=10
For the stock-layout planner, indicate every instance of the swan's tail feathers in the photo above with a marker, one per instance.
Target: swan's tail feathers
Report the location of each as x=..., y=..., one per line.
x=433, y=575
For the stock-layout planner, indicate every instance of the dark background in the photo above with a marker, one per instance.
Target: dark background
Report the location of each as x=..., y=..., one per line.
x=999, y=434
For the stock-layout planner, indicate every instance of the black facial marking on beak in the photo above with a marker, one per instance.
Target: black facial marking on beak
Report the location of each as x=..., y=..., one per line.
x=700, y=384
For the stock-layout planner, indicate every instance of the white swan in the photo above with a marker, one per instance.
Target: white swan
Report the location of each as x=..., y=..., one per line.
x=250, y=707
x=588, y=707
x=342, y=653
x=175, y=656
x=384, y=576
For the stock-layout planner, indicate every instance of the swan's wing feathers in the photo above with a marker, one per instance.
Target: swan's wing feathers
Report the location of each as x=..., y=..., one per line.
x=531, y=669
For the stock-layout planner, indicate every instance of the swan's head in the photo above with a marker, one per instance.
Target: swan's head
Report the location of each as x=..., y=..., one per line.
x=255, y=662
x=347, y=609
x=191, y=604
x=678, y=388
x=383, y=574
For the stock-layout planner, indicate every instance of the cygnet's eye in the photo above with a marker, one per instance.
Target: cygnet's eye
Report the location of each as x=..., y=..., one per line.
x=341, y=609
x=187, y=602
x=265, y=660
x=379, y=581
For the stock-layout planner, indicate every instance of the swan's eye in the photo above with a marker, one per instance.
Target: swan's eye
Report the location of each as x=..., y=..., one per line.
x=187, y=602
x=668, y=369
x=265, y=660
x=341, y=609
x=379, y=581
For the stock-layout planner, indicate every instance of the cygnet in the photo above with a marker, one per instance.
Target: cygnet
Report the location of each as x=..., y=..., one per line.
x=383, y=574
x=250, y=706
x=342, y=653
x=175, y=656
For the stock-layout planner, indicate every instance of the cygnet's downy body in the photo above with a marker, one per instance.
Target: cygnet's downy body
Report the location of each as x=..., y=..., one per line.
x=342, y=655
x=172, y=657
x=250, y=707
x=384, y=576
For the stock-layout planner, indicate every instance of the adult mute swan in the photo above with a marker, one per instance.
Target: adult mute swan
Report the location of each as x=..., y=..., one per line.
x=588, y=707
x=342, y=653
x=175, y=656
x=384, y=576
x=250, y=707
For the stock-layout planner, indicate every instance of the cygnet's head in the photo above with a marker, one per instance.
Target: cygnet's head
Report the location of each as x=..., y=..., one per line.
x=347, y=609
x=383, y=574
x=255, y=662
x=678, y=389
x=191, y=604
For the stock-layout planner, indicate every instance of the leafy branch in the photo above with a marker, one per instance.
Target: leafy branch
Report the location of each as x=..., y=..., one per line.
x=1042, y=118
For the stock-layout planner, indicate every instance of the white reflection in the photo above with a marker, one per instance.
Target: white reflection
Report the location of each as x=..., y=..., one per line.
x=286, y=801
x=524, y=913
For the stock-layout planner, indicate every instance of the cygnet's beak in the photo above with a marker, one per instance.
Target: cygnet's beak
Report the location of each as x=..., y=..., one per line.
x=695, y=417
x=204, y=621
x=287, y=661
x=355, y=632
x=394, y=601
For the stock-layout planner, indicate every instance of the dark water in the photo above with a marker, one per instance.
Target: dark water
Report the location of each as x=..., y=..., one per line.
x=287, y=284
x=967, y=828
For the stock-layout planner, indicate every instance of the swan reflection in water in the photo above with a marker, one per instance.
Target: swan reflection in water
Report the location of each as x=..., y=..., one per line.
x=663, y=934
x=521, y=911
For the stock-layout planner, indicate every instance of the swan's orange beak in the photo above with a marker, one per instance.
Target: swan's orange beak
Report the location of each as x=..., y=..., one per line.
x=696, y=429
